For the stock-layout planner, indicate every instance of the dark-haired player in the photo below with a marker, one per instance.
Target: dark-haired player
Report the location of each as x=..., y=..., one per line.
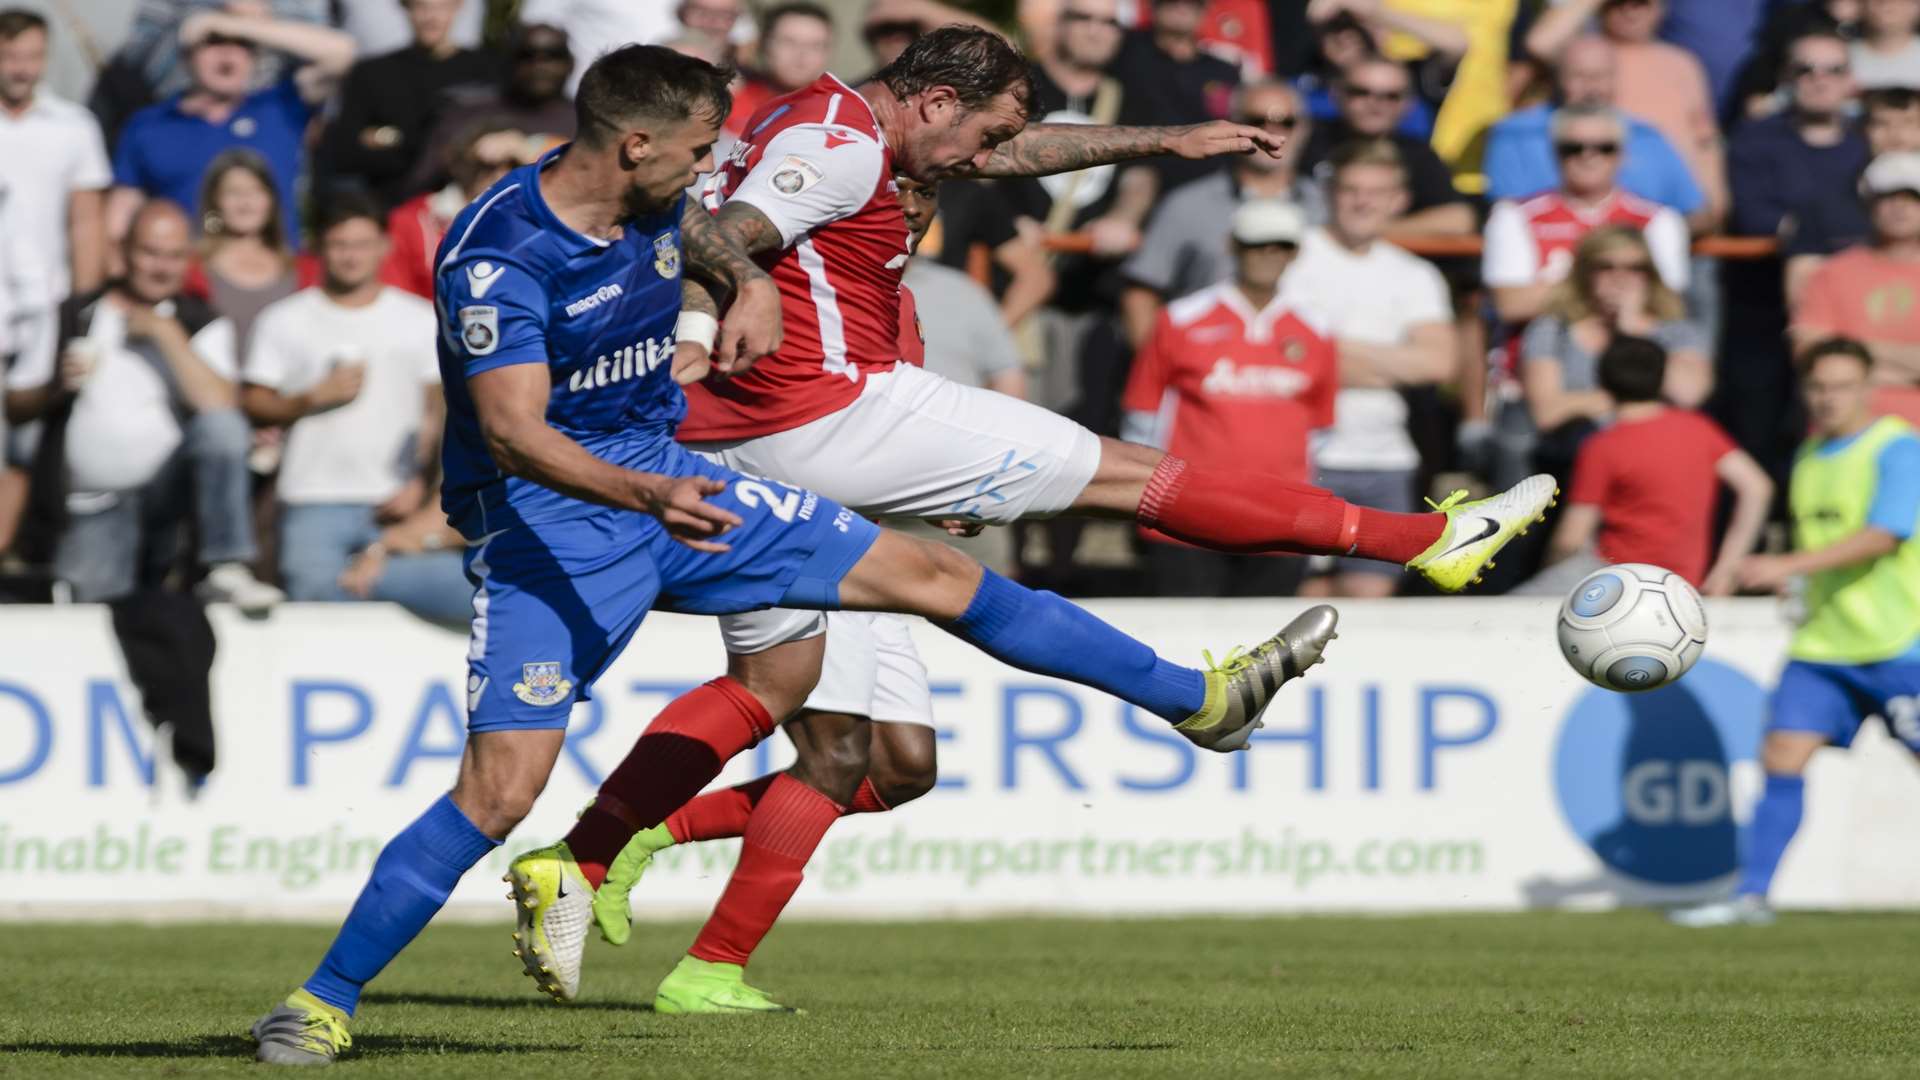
x=809, y=190
x=559, y=296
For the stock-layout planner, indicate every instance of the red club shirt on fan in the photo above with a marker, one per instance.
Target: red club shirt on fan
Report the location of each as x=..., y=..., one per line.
x=815, y=164
x=1532, y=241
x=1227, y=385
x=1655, y=481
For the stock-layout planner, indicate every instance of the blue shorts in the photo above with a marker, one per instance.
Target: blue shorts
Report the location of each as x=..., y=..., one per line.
x=1833, y=700
x=555, y=603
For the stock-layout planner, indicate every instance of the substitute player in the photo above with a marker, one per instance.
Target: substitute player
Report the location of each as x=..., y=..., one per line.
x=808, y=188
x=559, y=292
x=1855, y=498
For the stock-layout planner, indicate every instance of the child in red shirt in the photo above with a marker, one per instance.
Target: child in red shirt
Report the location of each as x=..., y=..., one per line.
x=1644, y=490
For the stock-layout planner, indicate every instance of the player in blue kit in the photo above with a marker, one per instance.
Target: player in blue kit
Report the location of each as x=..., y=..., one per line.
x=559, y=298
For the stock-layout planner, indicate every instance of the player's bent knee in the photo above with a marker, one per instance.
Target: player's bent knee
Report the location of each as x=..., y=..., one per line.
x=780, y=677
x=913, y=576
x=905, y=763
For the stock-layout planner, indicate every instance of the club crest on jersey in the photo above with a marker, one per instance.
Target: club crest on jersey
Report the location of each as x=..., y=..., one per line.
x=795, y=175
x=480, y=329
x=542, y=684
x=666, y=256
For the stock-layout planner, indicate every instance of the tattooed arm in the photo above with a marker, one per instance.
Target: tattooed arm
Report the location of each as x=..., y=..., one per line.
x=1055, y=148
x=720, y=249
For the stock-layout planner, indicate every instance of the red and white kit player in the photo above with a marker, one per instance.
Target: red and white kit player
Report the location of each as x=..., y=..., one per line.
x=809, y=189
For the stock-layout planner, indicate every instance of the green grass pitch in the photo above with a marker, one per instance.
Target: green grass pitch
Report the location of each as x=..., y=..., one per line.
x=1604, y=996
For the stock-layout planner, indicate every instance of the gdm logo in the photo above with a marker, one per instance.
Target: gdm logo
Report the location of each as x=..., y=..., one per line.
x=1658, y=784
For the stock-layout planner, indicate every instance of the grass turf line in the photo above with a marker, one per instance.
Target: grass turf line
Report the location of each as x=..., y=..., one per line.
x=1604, y=996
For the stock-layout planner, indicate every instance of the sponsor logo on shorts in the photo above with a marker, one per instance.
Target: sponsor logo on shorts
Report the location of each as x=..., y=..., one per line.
x=594, y=299
x=542, y=684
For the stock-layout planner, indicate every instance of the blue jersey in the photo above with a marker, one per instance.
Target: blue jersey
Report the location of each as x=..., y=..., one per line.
x=515, y=285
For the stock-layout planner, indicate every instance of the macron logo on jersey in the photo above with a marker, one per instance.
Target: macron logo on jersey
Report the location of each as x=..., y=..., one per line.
x=481, y=276
x=594, y=299
x=634, y=361
x=834, y=139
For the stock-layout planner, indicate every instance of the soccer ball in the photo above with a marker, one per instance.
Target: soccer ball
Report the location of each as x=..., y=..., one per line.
x=1632, y=627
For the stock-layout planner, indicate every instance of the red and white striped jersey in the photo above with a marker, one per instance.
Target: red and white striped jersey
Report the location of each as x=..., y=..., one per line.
x=1531, y=242
x=815, y=164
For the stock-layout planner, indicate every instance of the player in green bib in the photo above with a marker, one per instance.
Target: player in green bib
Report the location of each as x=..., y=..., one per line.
x=1855, y=502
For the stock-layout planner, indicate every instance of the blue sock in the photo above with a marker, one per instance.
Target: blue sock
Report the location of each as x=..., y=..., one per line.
x=1044, y=634
x=1775, y=820
x=410, y=881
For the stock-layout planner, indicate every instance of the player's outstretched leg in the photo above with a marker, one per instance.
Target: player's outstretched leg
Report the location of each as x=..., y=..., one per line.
x=500, y=774
x=1044, y=634
x=1225, y=509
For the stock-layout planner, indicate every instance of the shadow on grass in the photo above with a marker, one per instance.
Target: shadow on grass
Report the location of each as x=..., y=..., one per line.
x=516, y=1001
x=239, y=1046
x=1116, y=1045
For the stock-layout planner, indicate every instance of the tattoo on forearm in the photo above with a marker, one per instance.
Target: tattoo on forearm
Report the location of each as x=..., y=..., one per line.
x=1043, y=149
x=720, y=248
x=695, y=297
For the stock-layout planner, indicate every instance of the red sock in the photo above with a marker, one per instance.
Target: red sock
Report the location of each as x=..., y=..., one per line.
x=680, y=753
x=1248, y=513
x=786, y=827
x=718, y=815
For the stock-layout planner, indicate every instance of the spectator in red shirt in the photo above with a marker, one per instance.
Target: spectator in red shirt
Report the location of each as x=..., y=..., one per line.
x=1230, y=375
x=1644, y=490
x=416, y=226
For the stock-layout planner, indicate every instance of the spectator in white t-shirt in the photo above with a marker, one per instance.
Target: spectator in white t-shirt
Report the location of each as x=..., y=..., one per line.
x=1391, y=322
x=144, y=397
x=54, y=174
x=1887, y=52
x=349, y=364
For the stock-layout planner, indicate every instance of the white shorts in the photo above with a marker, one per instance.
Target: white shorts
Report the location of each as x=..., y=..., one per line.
x=916, y=445
x=871, y=668
x=913, y=444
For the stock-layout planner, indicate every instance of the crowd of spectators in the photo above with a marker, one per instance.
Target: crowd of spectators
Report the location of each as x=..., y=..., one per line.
x=1501, y=235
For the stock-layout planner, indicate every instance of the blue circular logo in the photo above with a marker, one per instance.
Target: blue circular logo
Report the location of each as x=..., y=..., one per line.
x=1600, y=594
x=1646, y=779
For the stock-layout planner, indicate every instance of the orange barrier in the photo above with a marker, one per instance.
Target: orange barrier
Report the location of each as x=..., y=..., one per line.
x=1468, y=246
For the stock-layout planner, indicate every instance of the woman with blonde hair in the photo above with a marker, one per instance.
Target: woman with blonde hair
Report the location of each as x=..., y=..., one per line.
x=246, y=261
x=1612, y=289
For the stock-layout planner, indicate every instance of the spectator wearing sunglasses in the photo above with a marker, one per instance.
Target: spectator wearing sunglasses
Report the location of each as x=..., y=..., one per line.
x=1520, y=161
x=532, y=98
x=390, y=102
x=1186, y=246
x=1887, y=52
x=1664, y=84
x=1372, y=96
x=1785, y=163
x=1530, y=244
x=415, y=228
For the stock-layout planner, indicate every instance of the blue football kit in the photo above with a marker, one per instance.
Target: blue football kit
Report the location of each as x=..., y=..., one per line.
x=561, y=584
